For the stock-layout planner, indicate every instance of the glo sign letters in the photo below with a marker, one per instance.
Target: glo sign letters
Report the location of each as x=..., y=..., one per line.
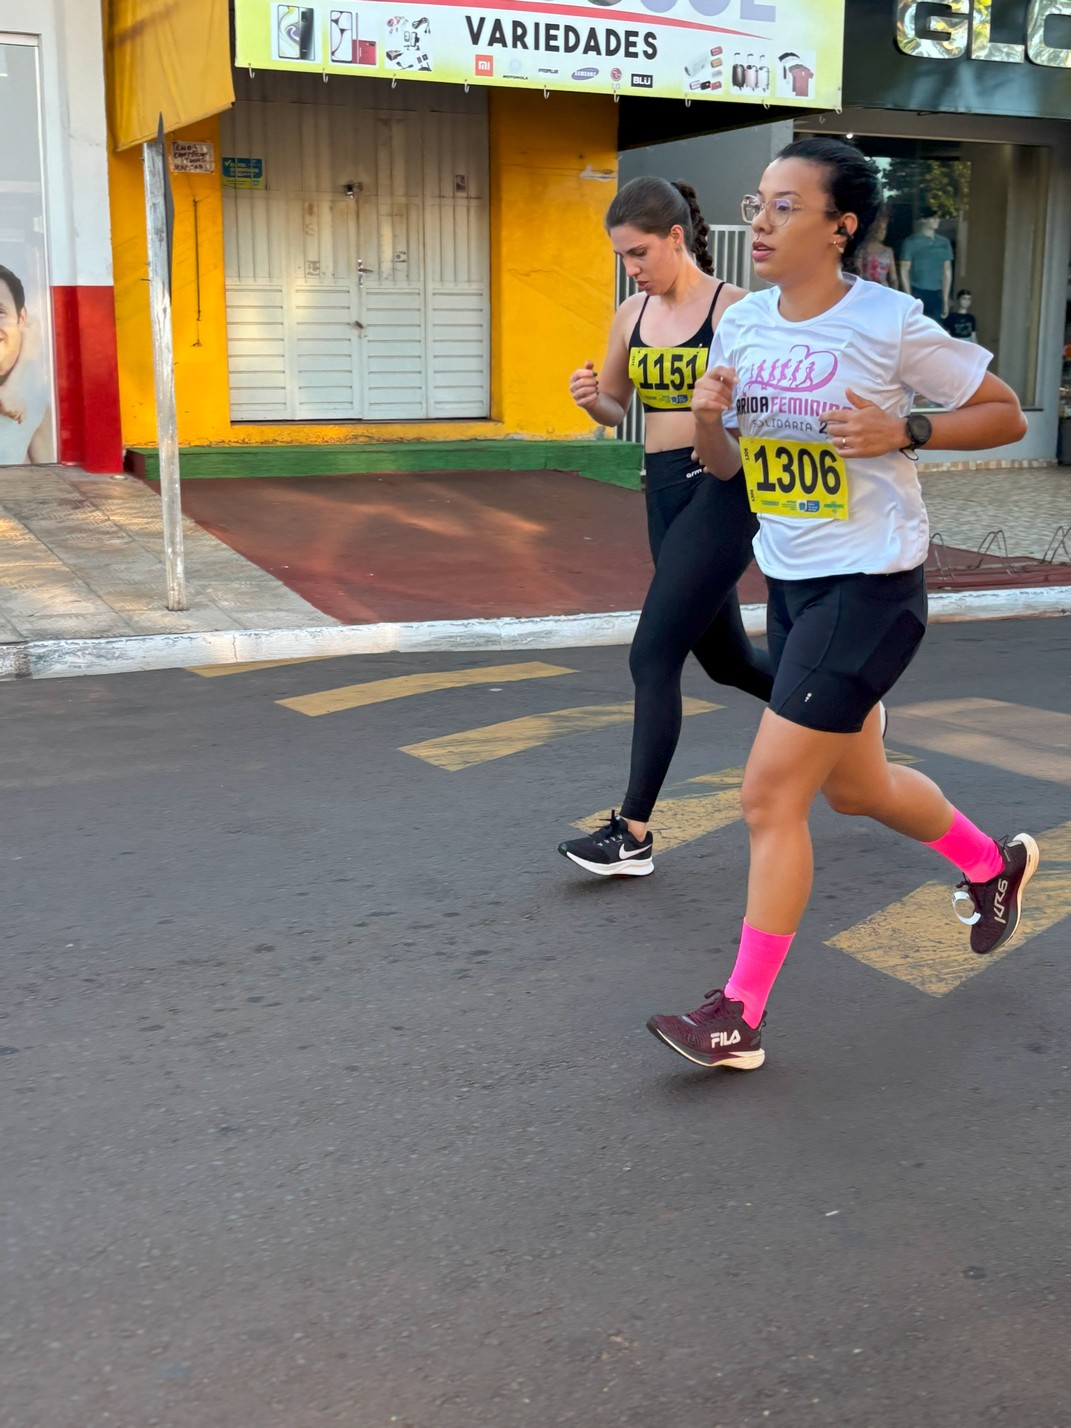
x=950, y=29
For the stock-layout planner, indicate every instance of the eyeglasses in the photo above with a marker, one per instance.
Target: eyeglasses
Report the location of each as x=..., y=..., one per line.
x=778, y=210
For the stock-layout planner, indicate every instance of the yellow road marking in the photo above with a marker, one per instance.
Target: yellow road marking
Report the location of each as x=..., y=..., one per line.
x=356, y=696
x=496, y=741
x=920, y=941
x=216, y=671
x=1033, y=742
x=679, y=820
x=676, y=821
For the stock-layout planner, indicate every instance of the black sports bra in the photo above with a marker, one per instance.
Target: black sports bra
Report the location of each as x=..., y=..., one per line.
x=664, y=377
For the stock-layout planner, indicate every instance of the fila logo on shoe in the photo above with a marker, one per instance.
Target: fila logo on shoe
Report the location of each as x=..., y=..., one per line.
x=999, y=910
x=724, y=1038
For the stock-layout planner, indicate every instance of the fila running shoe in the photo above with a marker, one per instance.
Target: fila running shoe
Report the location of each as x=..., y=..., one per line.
x=714, y=1035
x=997, y=904
x=611, y=851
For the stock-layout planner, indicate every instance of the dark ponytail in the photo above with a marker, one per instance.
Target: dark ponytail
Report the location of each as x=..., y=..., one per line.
x=653, y=205
x=853, y=184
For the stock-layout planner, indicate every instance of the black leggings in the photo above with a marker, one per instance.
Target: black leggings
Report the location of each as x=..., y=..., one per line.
x=700, y=530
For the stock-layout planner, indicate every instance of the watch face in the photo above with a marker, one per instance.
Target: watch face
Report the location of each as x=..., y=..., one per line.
x=920, y=429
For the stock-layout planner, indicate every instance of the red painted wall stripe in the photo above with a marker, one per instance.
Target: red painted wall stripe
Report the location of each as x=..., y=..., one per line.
x=87, y=378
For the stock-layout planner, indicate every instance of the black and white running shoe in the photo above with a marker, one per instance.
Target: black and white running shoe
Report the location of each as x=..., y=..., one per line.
x=611, y=851
x=996, y=905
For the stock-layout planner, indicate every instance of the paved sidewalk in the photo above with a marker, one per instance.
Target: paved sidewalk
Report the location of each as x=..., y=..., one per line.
x=82, y=557
x=462, y=560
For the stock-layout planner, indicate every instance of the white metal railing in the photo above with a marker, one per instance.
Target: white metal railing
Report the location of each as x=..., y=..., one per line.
x=730, y=250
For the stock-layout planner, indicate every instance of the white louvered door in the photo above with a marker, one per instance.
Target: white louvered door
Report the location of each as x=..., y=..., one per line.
x=369, y=307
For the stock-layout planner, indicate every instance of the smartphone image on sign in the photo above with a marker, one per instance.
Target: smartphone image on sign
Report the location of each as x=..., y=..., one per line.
x=344, y=37
x=295, y=32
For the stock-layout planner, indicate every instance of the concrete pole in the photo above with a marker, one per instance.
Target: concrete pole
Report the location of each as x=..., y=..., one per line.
x=164, y=368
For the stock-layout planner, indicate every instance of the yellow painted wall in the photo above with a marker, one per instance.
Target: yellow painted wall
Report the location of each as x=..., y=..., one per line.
x=551, y=285
x=552, y=268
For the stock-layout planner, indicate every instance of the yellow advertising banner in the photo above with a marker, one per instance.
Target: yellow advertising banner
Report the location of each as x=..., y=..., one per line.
x=165, y=57
x=768, y=52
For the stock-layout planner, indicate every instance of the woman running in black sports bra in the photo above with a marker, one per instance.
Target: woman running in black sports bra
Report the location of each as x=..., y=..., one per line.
x=700, y=529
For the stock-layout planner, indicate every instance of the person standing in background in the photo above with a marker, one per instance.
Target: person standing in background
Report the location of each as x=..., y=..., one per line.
x=877, y=262
x=960, y=322
x=926, y=266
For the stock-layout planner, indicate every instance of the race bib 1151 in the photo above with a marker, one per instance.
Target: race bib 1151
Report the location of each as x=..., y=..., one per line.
x=803, y=479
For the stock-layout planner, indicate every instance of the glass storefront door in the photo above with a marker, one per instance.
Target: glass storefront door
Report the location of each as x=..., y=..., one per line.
x=964, y=231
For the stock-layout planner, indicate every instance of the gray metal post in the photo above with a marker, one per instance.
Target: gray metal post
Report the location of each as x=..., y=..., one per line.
x=164, y=368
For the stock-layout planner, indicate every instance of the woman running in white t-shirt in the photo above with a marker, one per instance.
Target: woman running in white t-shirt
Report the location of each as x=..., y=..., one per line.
x=810, y=383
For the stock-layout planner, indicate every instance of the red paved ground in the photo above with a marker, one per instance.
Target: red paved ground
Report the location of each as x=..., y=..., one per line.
x=404, y=546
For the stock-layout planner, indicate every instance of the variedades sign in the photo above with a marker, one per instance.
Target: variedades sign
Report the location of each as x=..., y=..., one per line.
x=763, y=51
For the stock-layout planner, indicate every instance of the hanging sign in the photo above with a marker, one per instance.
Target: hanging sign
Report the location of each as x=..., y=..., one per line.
x=189, y=157
x=784, y=52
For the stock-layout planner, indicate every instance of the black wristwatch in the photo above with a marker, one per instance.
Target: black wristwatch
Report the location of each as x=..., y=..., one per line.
x=919, y=431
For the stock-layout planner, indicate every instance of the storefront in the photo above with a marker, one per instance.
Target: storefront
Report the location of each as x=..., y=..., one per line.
x=58, y=388
x=966, y=107
x=396, y=234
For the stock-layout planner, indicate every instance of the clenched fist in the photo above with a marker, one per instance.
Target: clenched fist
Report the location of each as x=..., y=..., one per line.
x=584, y=386
x=713, y=394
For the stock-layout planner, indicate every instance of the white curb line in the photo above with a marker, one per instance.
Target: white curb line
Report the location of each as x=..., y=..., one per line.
x=55, y=659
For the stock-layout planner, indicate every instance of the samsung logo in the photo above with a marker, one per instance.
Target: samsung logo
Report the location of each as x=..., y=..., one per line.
x=589, y=73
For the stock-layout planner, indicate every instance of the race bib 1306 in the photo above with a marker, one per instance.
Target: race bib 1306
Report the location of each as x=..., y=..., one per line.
x=803, y=479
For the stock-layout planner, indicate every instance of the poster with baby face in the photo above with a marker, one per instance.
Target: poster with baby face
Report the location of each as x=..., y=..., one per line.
x=27, y=426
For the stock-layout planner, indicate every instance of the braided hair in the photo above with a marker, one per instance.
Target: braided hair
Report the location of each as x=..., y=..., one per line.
x=654, y=205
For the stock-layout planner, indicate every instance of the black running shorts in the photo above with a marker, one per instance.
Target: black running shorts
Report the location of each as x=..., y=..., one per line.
x=838, y=644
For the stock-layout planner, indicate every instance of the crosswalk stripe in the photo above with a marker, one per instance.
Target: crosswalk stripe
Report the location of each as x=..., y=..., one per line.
x=1035, y=743
x=379, y=691
x=217, y=671
x=676, y=821
x=496, y=741
x=684, y=818
x=920, y=941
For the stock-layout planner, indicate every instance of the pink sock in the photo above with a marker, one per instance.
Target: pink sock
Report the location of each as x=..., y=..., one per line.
x=757, y=964
x=967, y=847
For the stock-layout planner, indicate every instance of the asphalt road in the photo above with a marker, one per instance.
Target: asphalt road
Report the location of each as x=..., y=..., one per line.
x=328, y=1099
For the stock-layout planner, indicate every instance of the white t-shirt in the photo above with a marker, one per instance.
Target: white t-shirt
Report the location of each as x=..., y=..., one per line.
x=876, y=341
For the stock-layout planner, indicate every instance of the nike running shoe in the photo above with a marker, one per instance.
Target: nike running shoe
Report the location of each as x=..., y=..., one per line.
x=714, y=1035
x=611, y=851
x=997, y=904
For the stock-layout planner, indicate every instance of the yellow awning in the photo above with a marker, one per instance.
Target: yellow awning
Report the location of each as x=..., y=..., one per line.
x=165, y=57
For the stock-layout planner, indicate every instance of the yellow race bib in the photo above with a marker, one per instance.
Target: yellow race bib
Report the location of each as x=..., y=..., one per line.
x=664, y=376
x=804, y=479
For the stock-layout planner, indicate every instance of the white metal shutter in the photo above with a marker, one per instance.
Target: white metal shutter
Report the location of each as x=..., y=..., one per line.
x=374, y=306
